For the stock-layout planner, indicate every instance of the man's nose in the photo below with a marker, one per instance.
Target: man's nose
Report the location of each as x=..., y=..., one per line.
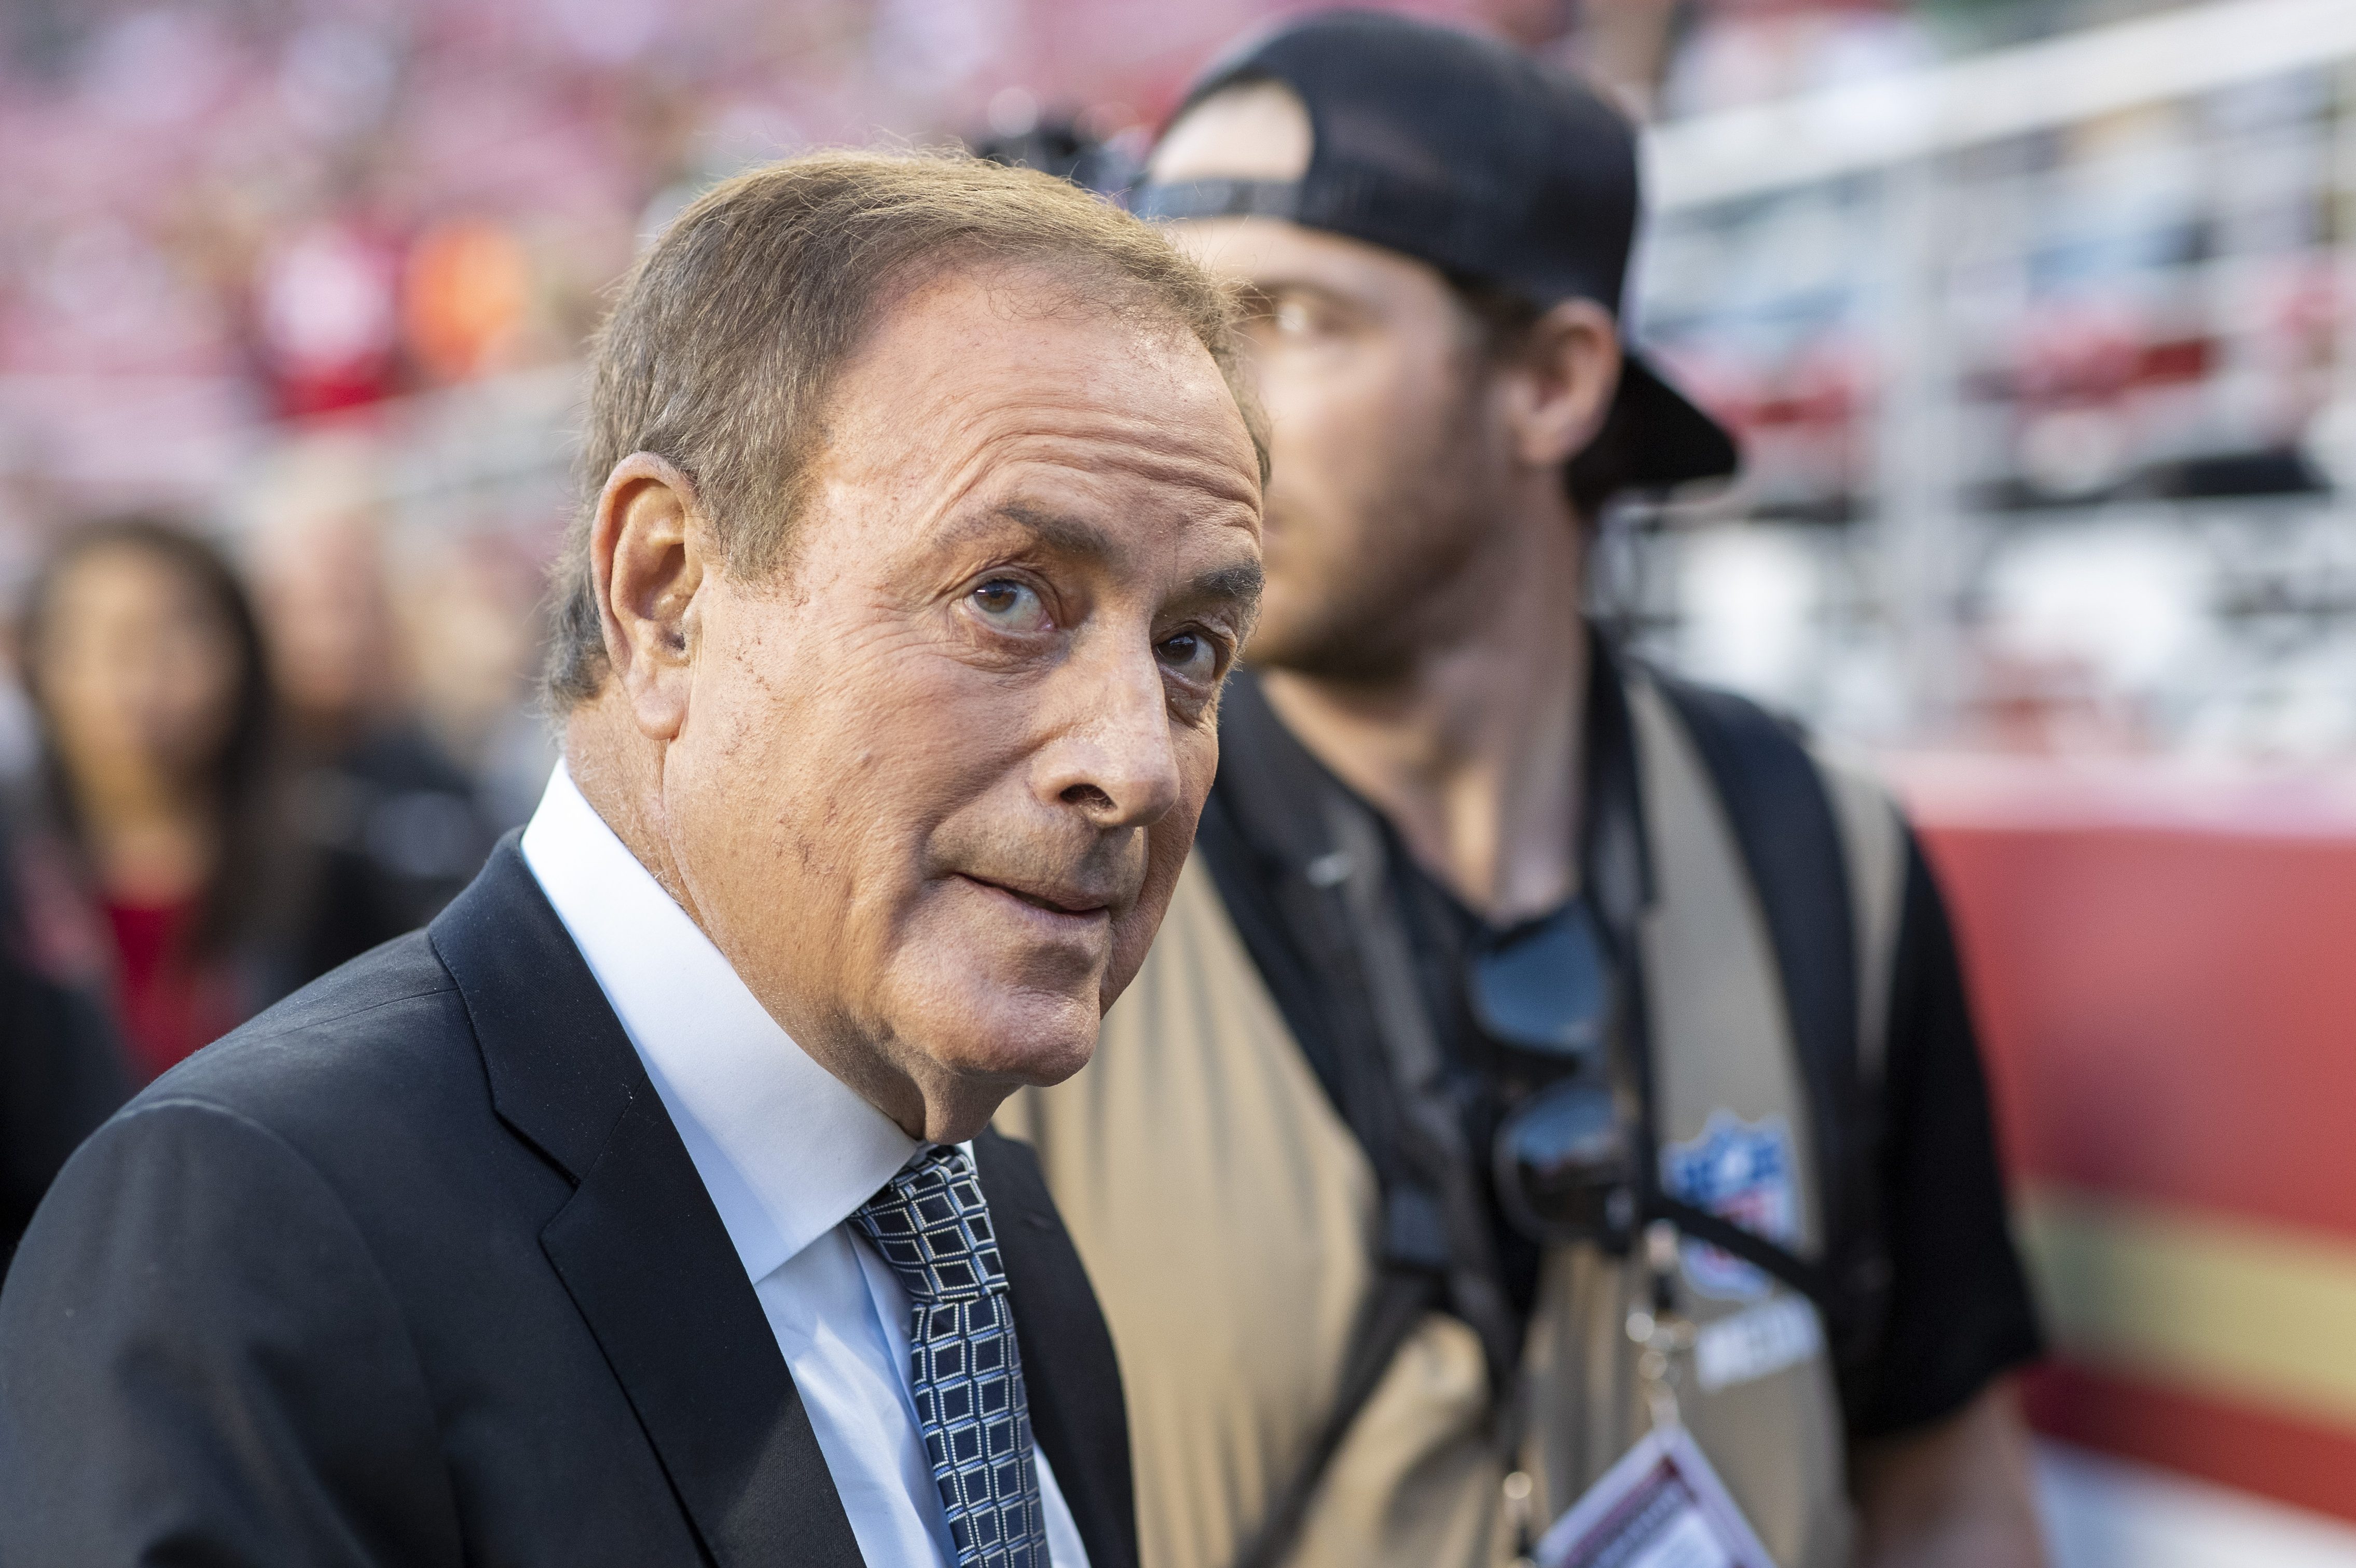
x=1115, y=760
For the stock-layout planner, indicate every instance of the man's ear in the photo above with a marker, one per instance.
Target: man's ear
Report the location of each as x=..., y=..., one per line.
x=651, y=551
x=1565, y=373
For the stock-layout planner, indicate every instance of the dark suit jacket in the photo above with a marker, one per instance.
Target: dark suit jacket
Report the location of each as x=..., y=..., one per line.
x=61, y=1069
x=413, y=1269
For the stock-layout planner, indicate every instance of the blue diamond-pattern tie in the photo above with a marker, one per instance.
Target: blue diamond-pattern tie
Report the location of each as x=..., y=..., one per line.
x=932, y=1225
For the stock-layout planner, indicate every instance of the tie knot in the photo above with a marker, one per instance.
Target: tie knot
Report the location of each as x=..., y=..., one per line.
x=931, y=1223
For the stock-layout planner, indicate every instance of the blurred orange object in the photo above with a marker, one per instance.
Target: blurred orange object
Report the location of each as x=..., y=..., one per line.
x=468, y=286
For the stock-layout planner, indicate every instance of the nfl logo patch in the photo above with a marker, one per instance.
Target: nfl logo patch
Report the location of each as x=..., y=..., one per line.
x=1742, y=1172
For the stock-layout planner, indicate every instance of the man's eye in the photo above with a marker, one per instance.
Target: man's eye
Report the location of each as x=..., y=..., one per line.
x=1010, y=605
x=1292, y=318
x=1191, y=655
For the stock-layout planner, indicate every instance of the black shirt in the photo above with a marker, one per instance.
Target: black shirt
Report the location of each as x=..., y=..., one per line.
x=1960, y=1313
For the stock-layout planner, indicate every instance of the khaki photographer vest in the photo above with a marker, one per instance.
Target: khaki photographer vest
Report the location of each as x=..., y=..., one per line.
x=1227, y=1220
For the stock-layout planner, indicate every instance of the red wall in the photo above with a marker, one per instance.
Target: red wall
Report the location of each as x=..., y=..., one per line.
x=2164, y=968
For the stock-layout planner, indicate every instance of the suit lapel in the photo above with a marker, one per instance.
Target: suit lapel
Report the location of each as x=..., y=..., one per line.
x=639, y=1246
x=1078, y=1416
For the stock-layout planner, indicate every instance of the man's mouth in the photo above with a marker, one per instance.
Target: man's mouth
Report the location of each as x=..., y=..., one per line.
x=1063, y=902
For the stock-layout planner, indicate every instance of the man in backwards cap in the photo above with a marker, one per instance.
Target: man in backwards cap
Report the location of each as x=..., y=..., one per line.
x=1538, y=1050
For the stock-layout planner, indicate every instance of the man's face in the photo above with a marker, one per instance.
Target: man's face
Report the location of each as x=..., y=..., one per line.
x=1387, y=449
x=939, y=769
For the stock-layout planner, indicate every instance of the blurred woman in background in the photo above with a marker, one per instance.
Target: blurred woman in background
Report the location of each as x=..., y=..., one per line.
x=145, y=669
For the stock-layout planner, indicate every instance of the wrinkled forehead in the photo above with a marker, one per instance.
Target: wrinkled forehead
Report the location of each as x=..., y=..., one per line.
x=981, y=366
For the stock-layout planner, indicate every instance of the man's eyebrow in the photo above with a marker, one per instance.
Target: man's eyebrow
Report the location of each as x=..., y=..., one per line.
x=1064, y=535
x=1236, y=584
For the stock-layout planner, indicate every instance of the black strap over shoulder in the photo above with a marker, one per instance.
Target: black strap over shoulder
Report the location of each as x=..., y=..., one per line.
x=1273, y=838
x=1776, y=801
x=1306, y=885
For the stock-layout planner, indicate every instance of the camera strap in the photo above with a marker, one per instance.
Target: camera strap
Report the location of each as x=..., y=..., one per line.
x=1439, y=1250
x=1323, y=856
x=1779, y=807
x=1320, y=855
x=1619, y=887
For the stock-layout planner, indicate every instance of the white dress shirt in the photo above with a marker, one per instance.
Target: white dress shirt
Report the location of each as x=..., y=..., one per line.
x=788, y=1152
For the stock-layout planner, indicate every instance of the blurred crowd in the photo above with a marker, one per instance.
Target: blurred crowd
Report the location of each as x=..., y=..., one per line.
x=235, y=770
x=226, y=215
x=2120, y=333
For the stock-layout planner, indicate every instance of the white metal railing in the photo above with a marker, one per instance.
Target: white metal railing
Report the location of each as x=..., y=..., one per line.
x=1927, y=216
x=2060, y=81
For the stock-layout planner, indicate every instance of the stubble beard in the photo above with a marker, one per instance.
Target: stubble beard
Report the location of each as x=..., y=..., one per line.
x=1377, y=587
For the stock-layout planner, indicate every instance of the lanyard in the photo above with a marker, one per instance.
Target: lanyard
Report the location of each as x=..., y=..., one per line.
x=1620, y=887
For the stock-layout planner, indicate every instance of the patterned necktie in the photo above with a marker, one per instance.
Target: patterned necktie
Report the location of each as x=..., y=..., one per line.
x=932, y=1225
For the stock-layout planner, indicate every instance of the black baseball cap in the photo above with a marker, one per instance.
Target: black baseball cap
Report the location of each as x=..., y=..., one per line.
x=1465, y=153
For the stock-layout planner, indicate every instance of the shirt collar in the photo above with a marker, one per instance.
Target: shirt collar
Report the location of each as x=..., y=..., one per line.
x=787, y=1150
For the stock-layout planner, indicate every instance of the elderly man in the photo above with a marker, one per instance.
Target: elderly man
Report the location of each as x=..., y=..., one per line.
x=641, y=1210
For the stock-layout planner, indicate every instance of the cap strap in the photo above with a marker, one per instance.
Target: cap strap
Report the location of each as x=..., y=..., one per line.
x=1218, y=198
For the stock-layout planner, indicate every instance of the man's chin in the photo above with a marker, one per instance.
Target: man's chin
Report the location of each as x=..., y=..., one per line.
x=1023, y=1040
